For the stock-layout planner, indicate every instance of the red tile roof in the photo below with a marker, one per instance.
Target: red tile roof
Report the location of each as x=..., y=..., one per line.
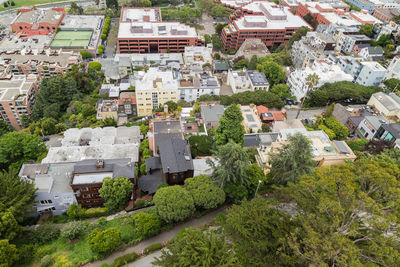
x=277, y=115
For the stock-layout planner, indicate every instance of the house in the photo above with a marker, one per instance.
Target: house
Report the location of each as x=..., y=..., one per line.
x=238, y=81
x=164, y=130
x=257, y=139
x=387, y=104
x=369, y=126
x=126, y=107
x=52, y=180
x=211, y=115
x=192, y=85
x=107, y=109
x=393, y=70
x=269, y=116
x=287, y=124
x=220, y=66
x=389, y=132
x=373, y=53
x=386, y=14
x=258, y=80
x=354, y=42
x=252, y=47
x=88, y=176
x=196, y=56
x=251, y=119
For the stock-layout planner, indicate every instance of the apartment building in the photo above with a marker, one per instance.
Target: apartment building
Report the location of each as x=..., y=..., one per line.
x=107, y=109
x=386, y=14
x=326, y=71
x=312, y=47
x=354, y=43
x=141, y=30
x=17, y=96
x=192, y=85
x=43, y=64
x=393, y=70
x=363, y=4
x=34, y=21
x=154, y=88
x=264, y=20
x=196, y=56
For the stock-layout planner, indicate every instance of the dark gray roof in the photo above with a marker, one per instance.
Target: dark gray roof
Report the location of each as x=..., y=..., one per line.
x=212, y=113
x=175, y=156
x=375, y=50
x=356, y=120
x=119, y=167
x=149, y=182
x=164, y=130
x=153, y=163
x=393, y=129
x=258, y=78
x=340, y=113
x=221, y=65
x=257, y=139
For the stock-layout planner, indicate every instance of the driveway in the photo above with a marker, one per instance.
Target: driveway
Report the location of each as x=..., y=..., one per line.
x=304, y=114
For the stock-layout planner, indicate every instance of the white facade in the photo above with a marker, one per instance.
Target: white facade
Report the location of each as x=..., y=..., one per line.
x=393, y=71
x=193, y=85
x=196, y=56
x=326, y=71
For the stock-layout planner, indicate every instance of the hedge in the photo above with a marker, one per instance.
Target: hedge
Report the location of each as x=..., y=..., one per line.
x=124, y=259
x=153, y=247
x=94, y=212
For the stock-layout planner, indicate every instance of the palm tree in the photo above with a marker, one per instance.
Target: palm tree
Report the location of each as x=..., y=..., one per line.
x=311, y=81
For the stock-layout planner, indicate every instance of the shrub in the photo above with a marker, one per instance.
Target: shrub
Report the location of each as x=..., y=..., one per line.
x=105, y=265
x=94, y=212
x=206, y=195
x=328, y=131
x=26, y=254
x=339, y=129
x=45, y=233
x=103, y=36
x=73, y=211
x=235, y=193
x=73, y=230
x=124, y=259
x=95, y=65
x=85, y=54
x=104, y=241
x=146, y=225
x=153, y=247
x=46, y=261
x=162, y=185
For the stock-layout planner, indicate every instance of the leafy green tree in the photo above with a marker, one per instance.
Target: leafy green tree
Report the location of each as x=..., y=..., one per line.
x=240, y=64
x=5, y=127
x=74, y=230
x=273, y=72
x=219, y=27
x=230, y=166
x=95, y=65
x=300, y=32
x=258, y=232
x=339, y=129
x=235, y=193
x=146, y=225
x=367, y=29
x=18, y=147
x=220, y=11
x=216, y=42
x=112, y=4
x=230, y=126
x=173, y=204
x=282, y=90
x=8, y=253
x=383, y=41
x=265, y=128
x=195, y=247
x=256, y=178
x=310, y=20
x=200, y=145
x=45, y=233
x=115, y=191
x=145, y=3
x=144, y=129
x=253, y=63
x=207, y=38
x=392, y=83
x=206, y=195
x=291, y=160
x=103, y=242
x=172, y=106
x=85, y=54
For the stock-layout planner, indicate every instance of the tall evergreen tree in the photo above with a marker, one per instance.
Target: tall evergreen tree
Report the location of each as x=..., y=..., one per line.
x=230, y=126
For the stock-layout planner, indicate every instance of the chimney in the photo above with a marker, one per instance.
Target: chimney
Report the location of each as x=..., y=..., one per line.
x=99, y=163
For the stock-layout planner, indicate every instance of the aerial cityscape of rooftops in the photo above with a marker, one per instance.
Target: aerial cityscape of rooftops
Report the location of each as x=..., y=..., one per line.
x=230, y=132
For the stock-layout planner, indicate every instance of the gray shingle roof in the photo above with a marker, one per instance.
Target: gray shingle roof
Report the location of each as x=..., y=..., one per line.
x=393, y=128
x=149, y=182
x=175, y=156
x=212, y=113
x=221, y=65
x=375, y=50
x=119, y=167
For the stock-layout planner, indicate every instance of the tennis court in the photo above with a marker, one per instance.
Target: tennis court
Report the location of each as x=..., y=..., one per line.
x=71, y=39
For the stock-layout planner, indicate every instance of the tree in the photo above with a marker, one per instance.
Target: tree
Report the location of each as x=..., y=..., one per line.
x=95, y=65
x=113, y=4
x=230, y=126
x=383, y=41
x=115, y=192
x=74, y=230
x=367, y=29
x=291, y=160
x=310, y=20
x=282, y=90
x=45, y=233
x=300, y=32
x=392, y=83
x=235, y=193
x=339, y=129
x=230, y=166
x=146, y=225
x=145, y=3
x=206, y=195
x=8, y=253
x=219, y=27
x=5, y=127
x=144, y=129
x=172, y=106
x=256, y=178
x=273, y=72
x=75, y=9
x=312, y=80
x=216, y=42
x=85, y=54
x=18, y=147
x=241, y=64
x=265, y=128
x=103, y=242
x=253, y=62
x=195, y=247
x=258, y=231
x=200, y=145
x=173, y=204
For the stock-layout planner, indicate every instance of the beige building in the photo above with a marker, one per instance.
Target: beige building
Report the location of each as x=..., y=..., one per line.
x=107, y=109
x=17, y=96
x=154, y=88
x=387, y=104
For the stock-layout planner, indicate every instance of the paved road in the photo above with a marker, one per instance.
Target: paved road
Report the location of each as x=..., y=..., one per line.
x=145, y=261
x=163, y=237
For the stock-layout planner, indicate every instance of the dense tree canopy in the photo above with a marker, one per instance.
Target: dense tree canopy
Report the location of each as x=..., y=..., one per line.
x=200, y=145
x=281, y=90
x=8, y=253
x=230, y=126
x=183, y=14
x=146, y=224
x=273, y=71
x=115, y=192
x=5, y=127
x=367, y=29
x=291, y=160
x=206, y=195
x=104, y=241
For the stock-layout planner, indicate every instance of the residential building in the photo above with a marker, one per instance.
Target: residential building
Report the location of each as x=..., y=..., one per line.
x=363, y=4
x=220, y=66
x=161, y=131
x=196, y=56
x=107, y=109
x=127, y=105
x=41, y=63
x=173, y=60
x=373, y=53
x=251, y=47
x=211, y=115
x=142, y=31
x=258, y=139
x=292, y=4
x=325, y=152
x=243, y=80
x=251, y=119
x=354, y=42
x=34, y=21
x=310, y=48
x=192, y=85
x=17, y=96
x=269, y=116
x=88, y=176
x=386, y=14
x=326, y=71
x=263, y=20
x=319, y=9
x=369, y=126
x=387, y=104
x=393, y=70
x=389, y=132
x=258, y=80
x=154, y=88
x=54, y=194
x=97, y=143
x=287, y=124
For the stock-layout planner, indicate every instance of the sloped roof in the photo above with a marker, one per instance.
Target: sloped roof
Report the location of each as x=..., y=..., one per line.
x=175, y=156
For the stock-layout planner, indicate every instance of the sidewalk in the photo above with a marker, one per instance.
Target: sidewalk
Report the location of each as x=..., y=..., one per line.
x=163, y=237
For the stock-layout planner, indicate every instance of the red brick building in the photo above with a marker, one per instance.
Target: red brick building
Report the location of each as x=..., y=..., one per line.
x=264, y=20
x=38, y=21
x=142, y=31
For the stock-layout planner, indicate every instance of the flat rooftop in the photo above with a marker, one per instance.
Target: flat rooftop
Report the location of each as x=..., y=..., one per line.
x=15, y=43
x=156, y=30
x=342, y=20
x=63, y=59
x=16, y=87
x=140, y=14
x=81, y=22
x=157, y=79
x=259, y=22
x=365, y=17
x=373, y=65
x=38, y=16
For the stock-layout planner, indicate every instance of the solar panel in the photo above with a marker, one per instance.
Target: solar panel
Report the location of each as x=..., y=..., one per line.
x=249, y=118
x=341, y=146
